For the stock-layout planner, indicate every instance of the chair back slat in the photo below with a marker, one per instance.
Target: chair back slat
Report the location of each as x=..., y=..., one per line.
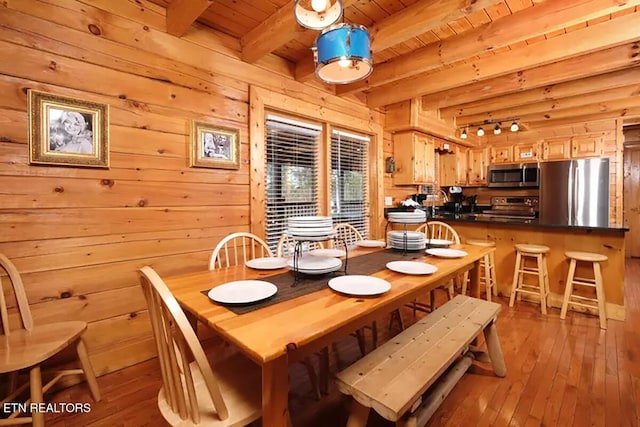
x=178, y=343
x=286, y=246
x=21, y=298
x=347, y=233
x=440, y=230
x=238, y=248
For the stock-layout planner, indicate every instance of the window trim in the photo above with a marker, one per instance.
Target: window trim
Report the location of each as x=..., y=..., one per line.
x=262, y=100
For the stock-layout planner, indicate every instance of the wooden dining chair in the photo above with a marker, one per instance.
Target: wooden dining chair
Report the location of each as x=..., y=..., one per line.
x=347, y=233
x=286, y=246
x=27, y=346
x=195, y=391
x=238, y=248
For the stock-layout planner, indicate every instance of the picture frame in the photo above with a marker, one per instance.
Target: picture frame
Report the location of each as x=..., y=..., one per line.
x=65, y=131
x=214, y=146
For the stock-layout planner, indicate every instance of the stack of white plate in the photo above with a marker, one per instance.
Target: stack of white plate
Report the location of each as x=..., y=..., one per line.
x=316, y=264
x=415, y=217
x=310, y=227
x=414, y=240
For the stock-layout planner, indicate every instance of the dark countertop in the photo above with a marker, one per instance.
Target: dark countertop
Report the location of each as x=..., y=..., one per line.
x=470, y=218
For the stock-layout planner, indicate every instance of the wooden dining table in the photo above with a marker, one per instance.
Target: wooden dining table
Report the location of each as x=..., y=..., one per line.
x=283, y=333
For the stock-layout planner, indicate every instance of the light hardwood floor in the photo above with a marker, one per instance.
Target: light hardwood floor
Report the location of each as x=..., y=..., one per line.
x=564, y=373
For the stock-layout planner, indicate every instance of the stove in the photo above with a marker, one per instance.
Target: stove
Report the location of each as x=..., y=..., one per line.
x=503, y=207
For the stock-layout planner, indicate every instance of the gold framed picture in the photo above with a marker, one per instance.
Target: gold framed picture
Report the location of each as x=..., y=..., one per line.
x=214, y=146
x=67, y=132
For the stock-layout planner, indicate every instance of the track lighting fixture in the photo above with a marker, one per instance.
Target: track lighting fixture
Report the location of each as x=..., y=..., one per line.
x=480, y=132
x=514, y=126
x=497, y=130
x=463, y=134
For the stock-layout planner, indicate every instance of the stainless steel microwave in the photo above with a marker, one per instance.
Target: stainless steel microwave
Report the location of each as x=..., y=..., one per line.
x=514, y=175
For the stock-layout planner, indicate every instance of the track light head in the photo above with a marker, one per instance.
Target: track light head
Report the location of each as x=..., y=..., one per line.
x=514, y=127
x=463, y=134
x=496, y=129
x=480, y=132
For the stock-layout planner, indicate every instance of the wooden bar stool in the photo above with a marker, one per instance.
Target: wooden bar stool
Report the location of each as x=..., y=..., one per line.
x=539, y=252
x=487, y=269
x=596, y=282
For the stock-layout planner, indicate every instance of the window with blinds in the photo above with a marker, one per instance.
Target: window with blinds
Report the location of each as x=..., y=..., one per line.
x=349, y=177
x=292, y=173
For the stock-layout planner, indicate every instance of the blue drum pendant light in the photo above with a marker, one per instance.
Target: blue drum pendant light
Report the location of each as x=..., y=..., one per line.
x=342, y=54
x=317, y=14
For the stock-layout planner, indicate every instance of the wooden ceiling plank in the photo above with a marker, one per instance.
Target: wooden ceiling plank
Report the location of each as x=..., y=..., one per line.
x=582, y=100
x=600, y=62
x=182, y=13
x=523, y=25
x=600, y=82
x=419, y=18
x=619, y=107
x=601, y=36
x=587, y=118
x=273, y=32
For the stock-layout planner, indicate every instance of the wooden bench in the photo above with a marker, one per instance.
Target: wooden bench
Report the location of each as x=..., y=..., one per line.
x=392, y=378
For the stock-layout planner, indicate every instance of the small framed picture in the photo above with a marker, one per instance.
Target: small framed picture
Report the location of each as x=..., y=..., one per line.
x=214, y=146
x=67, y=132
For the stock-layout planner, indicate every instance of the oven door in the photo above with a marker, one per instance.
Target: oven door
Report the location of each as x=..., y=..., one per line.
x=505, y=176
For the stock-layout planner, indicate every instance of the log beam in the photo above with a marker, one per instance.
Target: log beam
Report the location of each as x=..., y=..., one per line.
x=523, y=25
x=601, y=36
x=603, y=61
x=182, y=13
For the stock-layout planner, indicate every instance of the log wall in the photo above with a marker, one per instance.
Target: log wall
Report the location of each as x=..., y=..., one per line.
x=78, y=235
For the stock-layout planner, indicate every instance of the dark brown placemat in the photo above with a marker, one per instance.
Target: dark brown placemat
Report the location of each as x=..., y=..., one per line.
x=363, y=264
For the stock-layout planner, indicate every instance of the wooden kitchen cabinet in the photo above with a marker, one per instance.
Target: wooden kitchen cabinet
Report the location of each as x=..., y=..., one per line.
x=587, y=146
x=501, y=154
x=477, y=168
x=414, y=153
x=452, y=168
x=556, y=149
x=526, y=152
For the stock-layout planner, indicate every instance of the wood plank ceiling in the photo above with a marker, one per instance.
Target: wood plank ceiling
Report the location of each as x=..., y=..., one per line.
x=542, y=62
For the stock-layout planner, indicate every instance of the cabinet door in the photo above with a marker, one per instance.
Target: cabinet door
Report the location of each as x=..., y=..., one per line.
x=447, y=169
x=526, y=152
x=586, y=146
x=462, y=161
x=477, y=166
x=425, y=156
x=502, y=154
x=556, y=149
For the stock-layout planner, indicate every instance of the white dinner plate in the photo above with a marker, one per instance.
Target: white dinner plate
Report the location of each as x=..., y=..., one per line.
x=412, y=267
x=315, y=263
x=359, y=285
x=446, y=253
x=439, y=242
x=242, y=291
x=411, y=235
x=370, y=243
x=267, y=263
x=334, y=253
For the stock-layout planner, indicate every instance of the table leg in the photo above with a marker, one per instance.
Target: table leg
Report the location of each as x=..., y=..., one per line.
x=275, y=390
x=474, y=280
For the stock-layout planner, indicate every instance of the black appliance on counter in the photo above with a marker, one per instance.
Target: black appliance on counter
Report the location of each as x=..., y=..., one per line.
x=419, y=198
x=525, y=208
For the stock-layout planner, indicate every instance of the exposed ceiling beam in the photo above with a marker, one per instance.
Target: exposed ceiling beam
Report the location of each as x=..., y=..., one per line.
x=275, y=31
x=587, y=85
x=585, y=40
x=523, y=25
x=411, y=21
x=619, y=108
x=587, y=118
x=549, y=107
x=182, y=13
x=603, y=61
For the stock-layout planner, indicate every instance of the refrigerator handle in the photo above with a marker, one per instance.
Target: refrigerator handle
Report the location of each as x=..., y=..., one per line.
x=575, y=201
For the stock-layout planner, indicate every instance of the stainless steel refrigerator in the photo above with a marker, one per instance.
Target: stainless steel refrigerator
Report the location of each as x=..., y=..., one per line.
x=575, y=192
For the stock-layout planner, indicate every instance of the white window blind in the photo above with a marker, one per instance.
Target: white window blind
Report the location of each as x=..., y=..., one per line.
x=292, y=173
x=349, y=177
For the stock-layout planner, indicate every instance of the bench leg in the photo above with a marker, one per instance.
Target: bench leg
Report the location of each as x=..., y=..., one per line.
x=358, y=415
x=408, y=422
x=494, y=349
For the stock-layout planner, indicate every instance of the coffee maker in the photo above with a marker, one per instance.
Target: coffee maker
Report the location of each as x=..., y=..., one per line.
x=419, y=198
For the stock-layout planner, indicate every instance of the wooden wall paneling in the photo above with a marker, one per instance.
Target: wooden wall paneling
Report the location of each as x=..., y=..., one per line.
x=632, y=199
